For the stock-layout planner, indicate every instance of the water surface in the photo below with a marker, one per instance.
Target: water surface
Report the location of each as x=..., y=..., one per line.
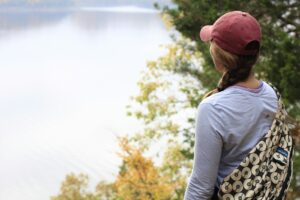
x=65, y=79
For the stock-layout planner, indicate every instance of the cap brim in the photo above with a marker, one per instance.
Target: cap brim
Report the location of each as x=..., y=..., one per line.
x=205, y=33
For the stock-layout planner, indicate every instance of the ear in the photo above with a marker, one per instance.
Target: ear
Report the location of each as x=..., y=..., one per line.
x=219, y=67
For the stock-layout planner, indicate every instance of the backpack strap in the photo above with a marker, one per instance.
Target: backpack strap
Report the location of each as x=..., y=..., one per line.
x=281, y=112
x=289, y=175
x=275, y=89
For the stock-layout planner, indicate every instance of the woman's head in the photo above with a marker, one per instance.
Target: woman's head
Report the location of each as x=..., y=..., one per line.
x=234, y=46
x=235, y=68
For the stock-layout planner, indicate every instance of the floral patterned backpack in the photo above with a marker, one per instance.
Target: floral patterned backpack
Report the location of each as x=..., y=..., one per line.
x=265, y=173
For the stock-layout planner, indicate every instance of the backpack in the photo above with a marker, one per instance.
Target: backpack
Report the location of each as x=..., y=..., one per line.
x=265, y=173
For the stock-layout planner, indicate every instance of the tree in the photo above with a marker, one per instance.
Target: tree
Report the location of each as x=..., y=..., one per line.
x=74, y=187
x=138, y=177
x=170, y=91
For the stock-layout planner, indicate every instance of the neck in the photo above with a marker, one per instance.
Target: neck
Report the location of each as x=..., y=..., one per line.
x=252, y=82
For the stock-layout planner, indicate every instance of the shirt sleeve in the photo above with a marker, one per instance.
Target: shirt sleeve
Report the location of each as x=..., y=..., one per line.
x=207, y=154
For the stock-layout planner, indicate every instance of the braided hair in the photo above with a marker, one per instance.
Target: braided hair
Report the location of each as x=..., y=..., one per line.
x=238, y=67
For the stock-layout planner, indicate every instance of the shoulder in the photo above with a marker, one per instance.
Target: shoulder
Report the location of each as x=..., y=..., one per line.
x=209, y=104
x=209, y=120
x=270, y=89
x=225, y=99
x=209, y=110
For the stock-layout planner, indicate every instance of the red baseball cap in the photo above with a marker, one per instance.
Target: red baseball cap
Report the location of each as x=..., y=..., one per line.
x=232, y=32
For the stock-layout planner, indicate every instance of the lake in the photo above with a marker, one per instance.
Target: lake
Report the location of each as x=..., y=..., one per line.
x=66, y=77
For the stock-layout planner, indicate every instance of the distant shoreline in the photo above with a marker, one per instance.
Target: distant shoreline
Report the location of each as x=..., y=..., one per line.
x=34, y=9
x=129, y=9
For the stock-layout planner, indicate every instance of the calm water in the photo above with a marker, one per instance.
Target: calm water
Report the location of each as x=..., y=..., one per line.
x=65, y=79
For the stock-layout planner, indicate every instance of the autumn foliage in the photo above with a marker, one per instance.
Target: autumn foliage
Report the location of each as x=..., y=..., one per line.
x=139, y=178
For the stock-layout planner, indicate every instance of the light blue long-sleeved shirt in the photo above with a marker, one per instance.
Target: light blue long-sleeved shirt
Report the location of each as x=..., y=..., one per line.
x=228, y=125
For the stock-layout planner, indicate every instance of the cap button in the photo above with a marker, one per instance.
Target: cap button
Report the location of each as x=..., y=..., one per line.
x=244, y=14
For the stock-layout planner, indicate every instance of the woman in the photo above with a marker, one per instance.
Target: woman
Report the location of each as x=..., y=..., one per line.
x=233, y=118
